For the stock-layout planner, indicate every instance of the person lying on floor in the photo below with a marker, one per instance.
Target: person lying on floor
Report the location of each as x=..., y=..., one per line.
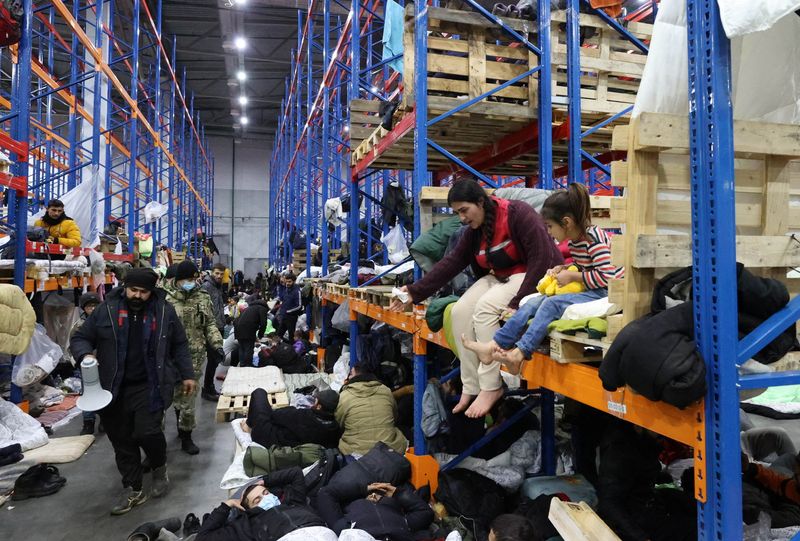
x=382, y=510
x=781, y=477
x=267, y=510
x=293, y=426
x=567, y=215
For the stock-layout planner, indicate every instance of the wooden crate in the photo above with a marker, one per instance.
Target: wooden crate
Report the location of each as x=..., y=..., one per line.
x=656, y=207
x=231, y=407
x=577, y=348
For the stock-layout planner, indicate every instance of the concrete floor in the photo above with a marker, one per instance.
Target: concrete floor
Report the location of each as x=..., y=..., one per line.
x=80, y=509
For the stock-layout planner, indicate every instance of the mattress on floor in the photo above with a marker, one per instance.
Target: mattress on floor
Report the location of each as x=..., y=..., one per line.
x=243, y=380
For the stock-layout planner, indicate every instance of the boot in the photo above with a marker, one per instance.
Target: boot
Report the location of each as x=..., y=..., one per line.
x=187, y=445
x=160, y=482
x=209, y=394
x=150, y=531
x=88, y=427
x=191, y=525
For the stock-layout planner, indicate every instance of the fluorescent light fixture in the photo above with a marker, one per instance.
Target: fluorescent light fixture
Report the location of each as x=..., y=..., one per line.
x=241, y=75
x=242, y=100
x=244, y=120
x=240, y=43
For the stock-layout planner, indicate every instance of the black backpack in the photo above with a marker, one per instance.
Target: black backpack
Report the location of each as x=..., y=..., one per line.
x=476, y=499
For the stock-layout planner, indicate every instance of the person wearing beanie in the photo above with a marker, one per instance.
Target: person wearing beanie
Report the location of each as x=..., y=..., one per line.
x=87, y=303
x=140, y=347
x=293, y=426
x=61, y=229
x=195, y=310
x=212, y=284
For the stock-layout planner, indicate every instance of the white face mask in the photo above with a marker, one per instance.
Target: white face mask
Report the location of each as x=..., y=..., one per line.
x=268, y=501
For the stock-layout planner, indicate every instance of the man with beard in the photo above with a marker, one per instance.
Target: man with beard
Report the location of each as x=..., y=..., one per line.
x=213, y=285
x=61, y=229
x=140, y=347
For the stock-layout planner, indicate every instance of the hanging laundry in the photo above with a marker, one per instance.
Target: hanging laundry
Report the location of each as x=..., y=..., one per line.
x=393, y=35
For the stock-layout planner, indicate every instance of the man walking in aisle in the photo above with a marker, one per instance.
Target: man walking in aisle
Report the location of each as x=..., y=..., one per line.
x=140, y=346
x=212, y=284
x=291, y=305
x=195, y=311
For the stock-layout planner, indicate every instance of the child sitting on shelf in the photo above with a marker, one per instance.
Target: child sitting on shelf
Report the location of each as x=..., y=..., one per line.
x=567, y=214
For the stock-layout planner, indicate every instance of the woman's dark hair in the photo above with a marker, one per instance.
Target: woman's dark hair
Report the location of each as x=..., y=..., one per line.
x=573, y=202
x=471, y=191
x=512, y=528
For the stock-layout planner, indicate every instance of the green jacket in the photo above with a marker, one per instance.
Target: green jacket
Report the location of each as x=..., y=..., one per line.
x=196, y=313
x=366, y=413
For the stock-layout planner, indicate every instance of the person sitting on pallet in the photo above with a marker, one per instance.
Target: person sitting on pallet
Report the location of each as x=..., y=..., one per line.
x=292, y=426
x=508, y=246
x=61, y=229
x=567, y=214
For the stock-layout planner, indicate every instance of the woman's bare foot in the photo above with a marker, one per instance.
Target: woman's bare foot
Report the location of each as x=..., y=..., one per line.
x=482, y=349
x=512, y=359
x=245, y=426
x=484, y=403
x=463, y=403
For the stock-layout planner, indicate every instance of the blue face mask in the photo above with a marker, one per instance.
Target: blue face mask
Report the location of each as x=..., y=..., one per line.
x=268, y=501
x=188, y=286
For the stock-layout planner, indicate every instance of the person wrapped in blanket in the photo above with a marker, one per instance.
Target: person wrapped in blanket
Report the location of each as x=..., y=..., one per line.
x=567, y=215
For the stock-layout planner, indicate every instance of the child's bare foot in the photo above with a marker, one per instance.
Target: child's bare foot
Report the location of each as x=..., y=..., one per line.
x=245, y=426
x=512, y=359
x=482, y=349
x=463, y=403
x=484, y=403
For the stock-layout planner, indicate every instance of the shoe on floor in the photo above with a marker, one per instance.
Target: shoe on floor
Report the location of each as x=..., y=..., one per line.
x=191, y=525
x=187, y=445
x=128, y=499
x=88, y=428
x=210, y=395
x=160, y=482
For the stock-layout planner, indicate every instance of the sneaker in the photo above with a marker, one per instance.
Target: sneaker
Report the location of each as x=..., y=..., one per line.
x=160, y=482
x=191, y=525
x=88, y=428
x=128, y=499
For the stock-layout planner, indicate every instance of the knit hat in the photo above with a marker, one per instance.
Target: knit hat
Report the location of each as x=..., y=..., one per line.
x=172, y=270
x=186, y=270
x=141, y=277
x=328, y=399
x=87, y=299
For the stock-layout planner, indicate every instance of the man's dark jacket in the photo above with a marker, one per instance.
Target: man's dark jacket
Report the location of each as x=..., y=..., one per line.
x=270, y=525
x=217, y=300
x=252, y=321
x=101, y=333
x=292, y=426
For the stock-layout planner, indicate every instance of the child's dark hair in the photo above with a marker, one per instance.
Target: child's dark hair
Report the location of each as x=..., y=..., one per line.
x=512, y=528
x=470, y=191
x=573, y=202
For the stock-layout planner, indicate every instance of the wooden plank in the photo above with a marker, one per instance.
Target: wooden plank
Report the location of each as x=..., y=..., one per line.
x=578, y=522
x=619, y=138
x=477, y=62
x=775, y=209
x=619, y=174
x=565, y=348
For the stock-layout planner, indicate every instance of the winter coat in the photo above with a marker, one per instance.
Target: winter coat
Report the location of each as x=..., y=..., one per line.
x=292, y=426
x=17, y=320
x=66, y=232
x=100, y=334
x=270, y=525
x=252, y=322
x=195, y=311
x=393, y=518
x=217, y=300
x=366, y=413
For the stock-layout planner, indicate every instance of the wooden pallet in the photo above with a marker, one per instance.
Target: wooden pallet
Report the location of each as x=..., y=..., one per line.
x=337, y=289
x=231, y=407
x=656, y=207
x=178, y=257
x=577, y=348
x=368, y=144
x=376, y=295
x=578, y=522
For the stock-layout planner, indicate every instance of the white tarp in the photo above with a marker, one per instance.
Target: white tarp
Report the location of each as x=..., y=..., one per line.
x=765, y=51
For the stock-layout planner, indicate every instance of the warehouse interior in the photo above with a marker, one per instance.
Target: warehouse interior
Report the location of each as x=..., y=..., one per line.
x=460, y=270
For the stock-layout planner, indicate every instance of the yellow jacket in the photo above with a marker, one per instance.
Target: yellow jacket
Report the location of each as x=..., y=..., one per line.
x=549, y=286
x=65, y=233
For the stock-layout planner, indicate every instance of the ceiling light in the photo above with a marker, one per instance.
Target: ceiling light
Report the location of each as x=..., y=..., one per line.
x=242, y=100
x=241, y=75
x=374, y=89
x=241, y=2
x=244, y=121
x=347, y=128
x=240, y=43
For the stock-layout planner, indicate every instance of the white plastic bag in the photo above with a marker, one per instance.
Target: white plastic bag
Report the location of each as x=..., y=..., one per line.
x=153, y=211
x=341, y=369
x=740, y=17
x=395, y=241
x=36, y=362
x=341, y=317
x=16, y=426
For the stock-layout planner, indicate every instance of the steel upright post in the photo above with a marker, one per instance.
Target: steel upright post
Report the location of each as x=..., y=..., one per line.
x=574, y=90
x=355, y=211
x=545, y=99
x=133, y=172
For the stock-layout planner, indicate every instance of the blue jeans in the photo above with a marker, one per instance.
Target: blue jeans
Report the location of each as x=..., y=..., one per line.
x=543, y=310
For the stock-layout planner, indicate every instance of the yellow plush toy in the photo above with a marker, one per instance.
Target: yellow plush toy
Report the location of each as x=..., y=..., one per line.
x=549, y=286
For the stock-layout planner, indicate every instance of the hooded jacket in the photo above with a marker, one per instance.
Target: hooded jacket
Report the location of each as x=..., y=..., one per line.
x=366, y=414
x=66, y=232
x=270, y=525
x=252, y=321
x=217, y=300
x=100, y=333
x=292, y=426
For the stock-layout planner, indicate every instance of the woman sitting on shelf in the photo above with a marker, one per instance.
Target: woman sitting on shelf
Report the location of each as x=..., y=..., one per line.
x=508, y=246
x=567, y=214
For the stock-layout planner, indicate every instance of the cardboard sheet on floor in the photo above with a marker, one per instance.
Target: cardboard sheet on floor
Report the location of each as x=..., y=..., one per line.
x=61, y=450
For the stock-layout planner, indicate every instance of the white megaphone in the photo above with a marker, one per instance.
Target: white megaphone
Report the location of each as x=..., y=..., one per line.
x=94, y=397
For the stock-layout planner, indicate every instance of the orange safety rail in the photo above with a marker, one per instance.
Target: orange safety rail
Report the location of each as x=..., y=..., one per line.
x=333, y=297
x=54, y=283
x=405, y=321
